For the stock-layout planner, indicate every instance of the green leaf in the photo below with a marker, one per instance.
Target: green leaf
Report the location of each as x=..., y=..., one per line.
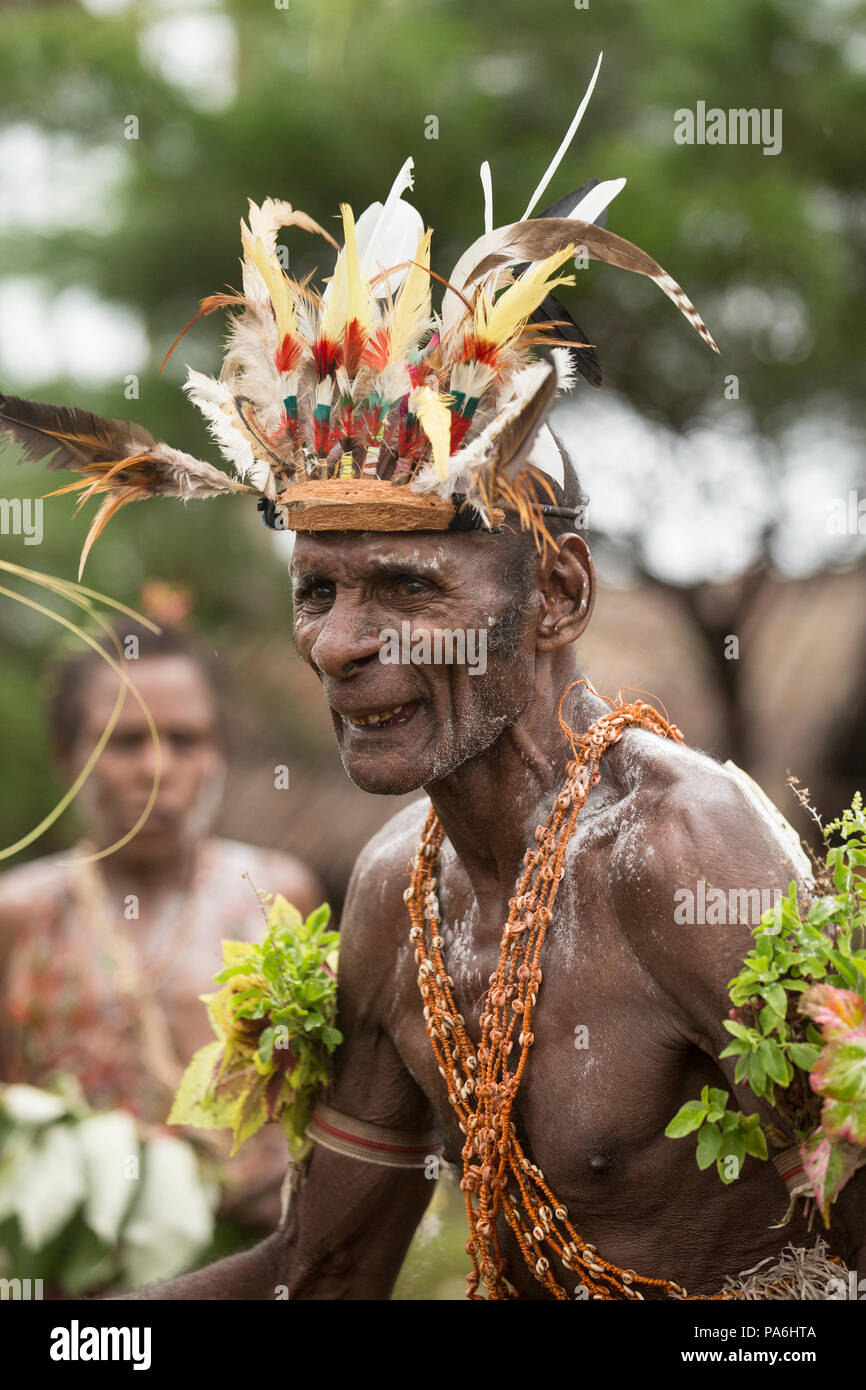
x=804, y=1055
x=846, y=969
x=250, y=1113
x=777, y=999
x=739, y=1030
x=756, y=1073
x=320, y=918
x=774, y=1061
x=687, y=1118
x=709, y=1143
x=266, y=1045
x=195, y=1084
x=717, y=1104
x=733, y=1146
x=754, y=1140
x=289, y=983
x=821, y=911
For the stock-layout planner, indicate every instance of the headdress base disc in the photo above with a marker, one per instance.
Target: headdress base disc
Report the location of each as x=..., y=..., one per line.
x=334, y=504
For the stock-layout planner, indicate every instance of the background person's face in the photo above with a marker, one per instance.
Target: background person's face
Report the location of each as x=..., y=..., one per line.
x=183, y=710
x=427, y=719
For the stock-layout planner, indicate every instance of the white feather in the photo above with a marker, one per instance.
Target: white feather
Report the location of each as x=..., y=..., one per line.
x=209, y=396
x=593, y=203
x=248, y=367
x=560, y=153
x=545, y=456
x=487, y=187
x=387, y=234
x=566, y=372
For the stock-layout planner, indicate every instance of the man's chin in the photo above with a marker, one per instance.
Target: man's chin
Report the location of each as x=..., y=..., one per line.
x=382, y=781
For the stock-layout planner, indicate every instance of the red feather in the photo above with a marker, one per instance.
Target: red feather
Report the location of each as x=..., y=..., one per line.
x=354, y=342
x=326, y=357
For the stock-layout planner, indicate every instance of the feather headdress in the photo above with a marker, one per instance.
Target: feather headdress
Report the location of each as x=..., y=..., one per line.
x=355, y=406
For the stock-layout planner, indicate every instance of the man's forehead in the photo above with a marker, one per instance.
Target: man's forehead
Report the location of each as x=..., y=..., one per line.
x=371, y=552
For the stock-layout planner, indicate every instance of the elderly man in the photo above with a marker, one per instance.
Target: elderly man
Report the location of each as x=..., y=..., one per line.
x=651, y=995
x=515, y=993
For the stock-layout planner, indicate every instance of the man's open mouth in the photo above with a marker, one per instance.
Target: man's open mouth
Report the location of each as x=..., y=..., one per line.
x=383, y=718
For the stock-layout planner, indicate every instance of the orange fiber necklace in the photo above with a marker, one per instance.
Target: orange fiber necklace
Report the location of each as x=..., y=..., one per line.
x=483, y=1081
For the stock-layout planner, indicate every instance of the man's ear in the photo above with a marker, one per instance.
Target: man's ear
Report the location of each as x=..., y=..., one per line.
x=567, y=583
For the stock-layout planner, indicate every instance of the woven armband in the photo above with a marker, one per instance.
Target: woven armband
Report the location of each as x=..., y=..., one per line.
x=390, y=1148
x=789, y=1166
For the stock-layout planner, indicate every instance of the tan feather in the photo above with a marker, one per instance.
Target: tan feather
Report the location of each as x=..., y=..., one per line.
x=544, y=236
x=119, y=459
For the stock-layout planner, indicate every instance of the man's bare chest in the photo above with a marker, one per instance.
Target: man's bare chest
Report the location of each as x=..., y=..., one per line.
x=602, y=1075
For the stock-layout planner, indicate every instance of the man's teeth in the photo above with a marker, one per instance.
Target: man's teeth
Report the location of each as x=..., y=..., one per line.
x=378, y=718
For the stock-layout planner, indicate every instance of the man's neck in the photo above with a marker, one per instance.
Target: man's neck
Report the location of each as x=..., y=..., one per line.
x=490, y=806
x=133, y=868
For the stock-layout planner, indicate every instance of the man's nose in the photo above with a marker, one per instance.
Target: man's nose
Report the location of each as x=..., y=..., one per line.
x=146, y=760
x=348, y=639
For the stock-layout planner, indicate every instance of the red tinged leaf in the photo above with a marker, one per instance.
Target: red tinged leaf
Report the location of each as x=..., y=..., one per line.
x=834, y=1010
x=828, y=1166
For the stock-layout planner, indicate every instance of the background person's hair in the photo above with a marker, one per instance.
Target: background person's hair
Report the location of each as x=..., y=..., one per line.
x=68, y=676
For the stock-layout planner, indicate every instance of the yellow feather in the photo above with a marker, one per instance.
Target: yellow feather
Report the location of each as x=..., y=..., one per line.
x=413, y=302
x=355, y=305
x=500, y=321
x=435, y=417
x=277, y=285
x=348, y=298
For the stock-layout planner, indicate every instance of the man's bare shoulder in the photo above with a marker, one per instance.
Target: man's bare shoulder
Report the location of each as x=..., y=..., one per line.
x=685, y=817
x=271, y=871
x=374, y=926
x=28, y=888
x=27, y=895
x=375, y=912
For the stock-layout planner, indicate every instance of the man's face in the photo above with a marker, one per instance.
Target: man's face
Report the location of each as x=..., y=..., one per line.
x=403, y=724
x=183, y=710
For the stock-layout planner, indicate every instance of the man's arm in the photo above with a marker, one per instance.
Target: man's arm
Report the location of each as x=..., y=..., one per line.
x=706, y=828
x=350, y=1224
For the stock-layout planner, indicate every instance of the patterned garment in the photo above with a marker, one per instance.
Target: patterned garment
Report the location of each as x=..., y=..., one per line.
x=71, y=1004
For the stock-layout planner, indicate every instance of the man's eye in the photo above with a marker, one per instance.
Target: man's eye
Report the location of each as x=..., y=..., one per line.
x=409, y=585
x=317, y=591
x=127, y=743
x=185, y=743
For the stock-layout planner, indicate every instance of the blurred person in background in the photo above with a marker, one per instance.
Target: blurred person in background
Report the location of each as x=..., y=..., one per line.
x=102, y=962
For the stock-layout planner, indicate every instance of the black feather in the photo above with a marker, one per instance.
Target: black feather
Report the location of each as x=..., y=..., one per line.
x=563, y=206
x=552, y=309
x=85, y=438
